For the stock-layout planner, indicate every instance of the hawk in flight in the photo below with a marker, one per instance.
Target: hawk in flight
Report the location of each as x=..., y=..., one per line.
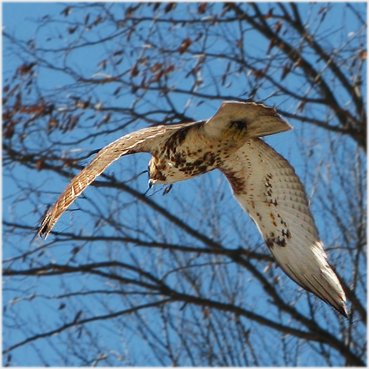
x=263, y=182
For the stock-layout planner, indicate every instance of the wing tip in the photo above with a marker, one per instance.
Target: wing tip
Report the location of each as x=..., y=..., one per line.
x=326, y=287
x=343, y=310
x=338, y=304
x=45, y=227
x=42, y=233
x=331, y=291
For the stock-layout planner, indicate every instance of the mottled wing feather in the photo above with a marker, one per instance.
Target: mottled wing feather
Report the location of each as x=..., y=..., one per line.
x=267, y=187
x=144, y=140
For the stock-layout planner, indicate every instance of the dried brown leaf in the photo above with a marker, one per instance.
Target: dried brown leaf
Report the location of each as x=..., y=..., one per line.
x=363, y=54
x=272, y=43
x=66, y=11
x=157, y=66
x=39, y=164
x=134, y=71
x=106, y=118
x=202, y=8
x=169, y=69
x=8, y=132
x=25, y=68
x=169, y=7
x=71, y=30
x=184, y=45
x=278, y=27
x=98, y=20
x=286, y=70
x=269, y=14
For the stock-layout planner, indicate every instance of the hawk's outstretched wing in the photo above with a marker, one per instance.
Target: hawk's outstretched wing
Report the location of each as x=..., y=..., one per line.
x=144, y=140
x=266, y=186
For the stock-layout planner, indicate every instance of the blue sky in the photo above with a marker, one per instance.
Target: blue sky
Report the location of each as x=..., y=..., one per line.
x=18, y=19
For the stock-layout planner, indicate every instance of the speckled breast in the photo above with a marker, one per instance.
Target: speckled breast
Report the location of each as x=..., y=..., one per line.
x=187, y=153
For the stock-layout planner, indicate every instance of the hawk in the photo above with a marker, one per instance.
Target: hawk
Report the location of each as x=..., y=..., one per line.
x=263, y=182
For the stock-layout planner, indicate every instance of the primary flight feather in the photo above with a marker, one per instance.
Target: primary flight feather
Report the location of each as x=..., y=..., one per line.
x=263, y=182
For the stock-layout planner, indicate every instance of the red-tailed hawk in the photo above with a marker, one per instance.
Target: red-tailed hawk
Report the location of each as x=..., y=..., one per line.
x=263, y=182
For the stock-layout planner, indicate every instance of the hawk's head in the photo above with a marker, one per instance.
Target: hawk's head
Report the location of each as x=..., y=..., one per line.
x=249, y=119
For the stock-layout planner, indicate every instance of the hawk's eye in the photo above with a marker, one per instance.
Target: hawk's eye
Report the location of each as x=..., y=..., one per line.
x=239, y=124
